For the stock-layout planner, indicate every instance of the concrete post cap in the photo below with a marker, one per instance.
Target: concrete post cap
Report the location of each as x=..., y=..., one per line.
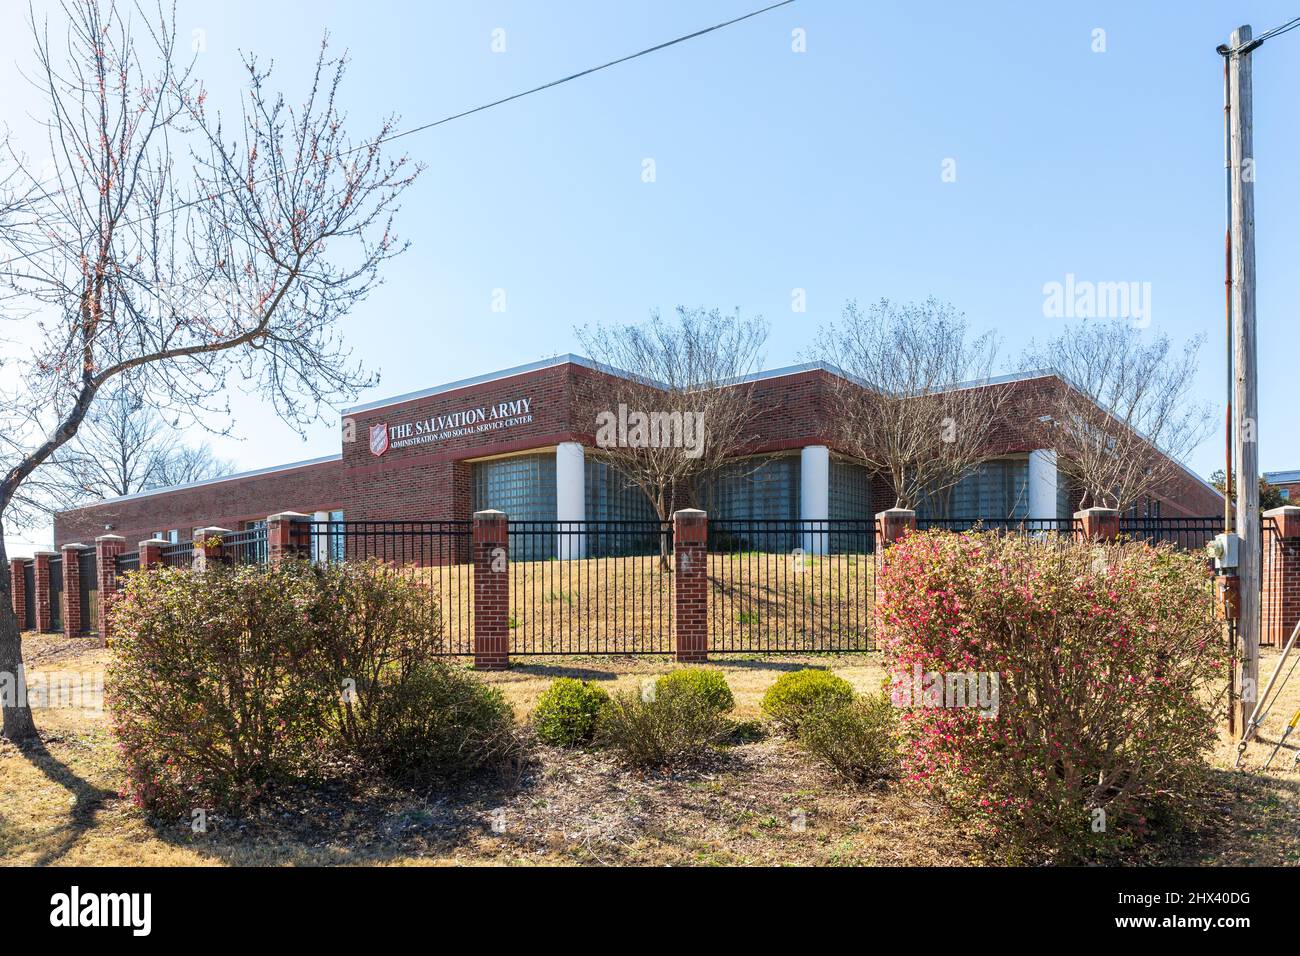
x=490, y=514
x=205, y=532
x=288, y=516
x=1286, y=511
x=160, y=542
x=690, y=513
x=74, y=546
x=896, y=513
x=109, y=537
x=1097, y=513
x=45, y=554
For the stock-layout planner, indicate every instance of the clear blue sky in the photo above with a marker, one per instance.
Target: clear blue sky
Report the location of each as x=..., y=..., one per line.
x=779, y=170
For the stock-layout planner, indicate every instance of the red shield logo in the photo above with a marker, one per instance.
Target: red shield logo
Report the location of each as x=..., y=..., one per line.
x=378, y=439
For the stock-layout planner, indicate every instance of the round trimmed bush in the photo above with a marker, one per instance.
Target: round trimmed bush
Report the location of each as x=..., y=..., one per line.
x=796, y=694
x=567, y=712
x=708, y=684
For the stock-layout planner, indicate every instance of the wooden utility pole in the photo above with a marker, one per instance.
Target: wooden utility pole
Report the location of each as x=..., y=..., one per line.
x=1246, y=437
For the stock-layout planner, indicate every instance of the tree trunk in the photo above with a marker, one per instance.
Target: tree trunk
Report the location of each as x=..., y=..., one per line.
x=18, y=723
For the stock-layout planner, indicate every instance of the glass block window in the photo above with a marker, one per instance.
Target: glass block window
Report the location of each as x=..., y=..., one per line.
x=336, y=538
x=755, y=491
x=611, y=497
x=994, y=489
x=850, y=491
x=524, y=488
x=1064, y=495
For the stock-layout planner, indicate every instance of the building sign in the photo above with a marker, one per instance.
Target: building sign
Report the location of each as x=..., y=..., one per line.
x=459, y=424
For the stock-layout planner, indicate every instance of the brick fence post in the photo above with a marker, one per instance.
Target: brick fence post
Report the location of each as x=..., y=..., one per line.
x=73, y=613
x=209, y=547
x=1096, y=524
x=18, y=590
x=691, y=585
x=891, y=525
x=491, y=591
x=41, y=562
x=287, y=535
x=151, y=553
x=1280, y=602
x=107, y=548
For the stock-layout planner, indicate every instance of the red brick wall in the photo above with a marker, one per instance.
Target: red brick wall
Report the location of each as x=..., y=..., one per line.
x=433, y=481
x=222, y=504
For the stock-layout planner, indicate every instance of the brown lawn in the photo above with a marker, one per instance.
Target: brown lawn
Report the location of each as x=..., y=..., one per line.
x=757, y=803
x=758, y=601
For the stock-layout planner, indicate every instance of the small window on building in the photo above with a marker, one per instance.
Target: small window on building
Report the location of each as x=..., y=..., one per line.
x=1285, y=494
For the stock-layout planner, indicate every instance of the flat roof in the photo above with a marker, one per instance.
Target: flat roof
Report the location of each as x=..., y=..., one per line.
x=210, y=481
x=581, y=360
x=1281, y=477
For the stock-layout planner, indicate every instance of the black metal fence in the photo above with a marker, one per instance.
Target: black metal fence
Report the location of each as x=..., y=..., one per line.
x=56, y=594
x=606, y=587
x=88, y=580
x=1188, y=534
x=179, y=555
x=127, y=562
x=246, y=547
x=591, y=587
x=438, y=554
x=1031, y=526
x=791, y=586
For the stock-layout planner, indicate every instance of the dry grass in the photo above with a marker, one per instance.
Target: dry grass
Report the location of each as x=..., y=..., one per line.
x=758, y=601
x=61, y=805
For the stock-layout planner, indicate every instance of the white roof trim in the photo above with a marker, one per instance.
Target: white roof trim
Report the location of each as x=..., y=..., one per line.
x=208, y=481
x=568, y=359
x=1281, y=477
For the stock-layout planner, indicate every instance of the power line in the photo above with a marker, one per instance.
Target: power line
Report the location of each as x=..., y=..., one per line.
x=469, y=112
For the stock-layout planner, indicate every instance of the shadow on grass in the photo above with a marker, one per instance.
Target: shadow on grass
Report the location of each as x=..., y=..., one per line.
x=562, y=670
x=86, y=798
x=357, y=822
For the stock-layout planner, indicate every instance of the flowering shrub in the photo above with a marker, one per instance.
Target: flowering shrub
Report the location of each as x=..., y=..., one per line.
x=1107, y=658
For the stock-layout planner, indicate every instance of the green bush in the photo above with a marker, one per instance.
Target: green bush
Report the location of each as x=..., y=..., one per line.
x=676, y=726
x=224, y=682
x=708, y=684
x=374, y=628
x=858, y=741
x=204, y=685
x=566, y=713
x=796, y=694
x=440, y=723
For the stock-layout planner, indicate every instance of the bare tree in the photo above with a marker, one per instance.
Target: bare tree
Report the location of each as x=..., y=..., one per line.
x=915, y=405
x=1124, y=417
x=124, y=447
x=673, y=406
x=166, y=276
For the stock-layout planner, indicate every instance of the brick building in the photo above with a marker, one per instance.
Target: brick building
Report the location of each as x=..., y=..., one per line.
x=512, y=440
x=1287, y=483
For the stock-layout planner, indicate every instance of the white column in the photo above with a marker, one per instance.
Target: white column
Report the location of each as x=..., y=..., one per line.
x=1042, y=483
x=815, y=495
x=570, y=497
x=320, y=543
